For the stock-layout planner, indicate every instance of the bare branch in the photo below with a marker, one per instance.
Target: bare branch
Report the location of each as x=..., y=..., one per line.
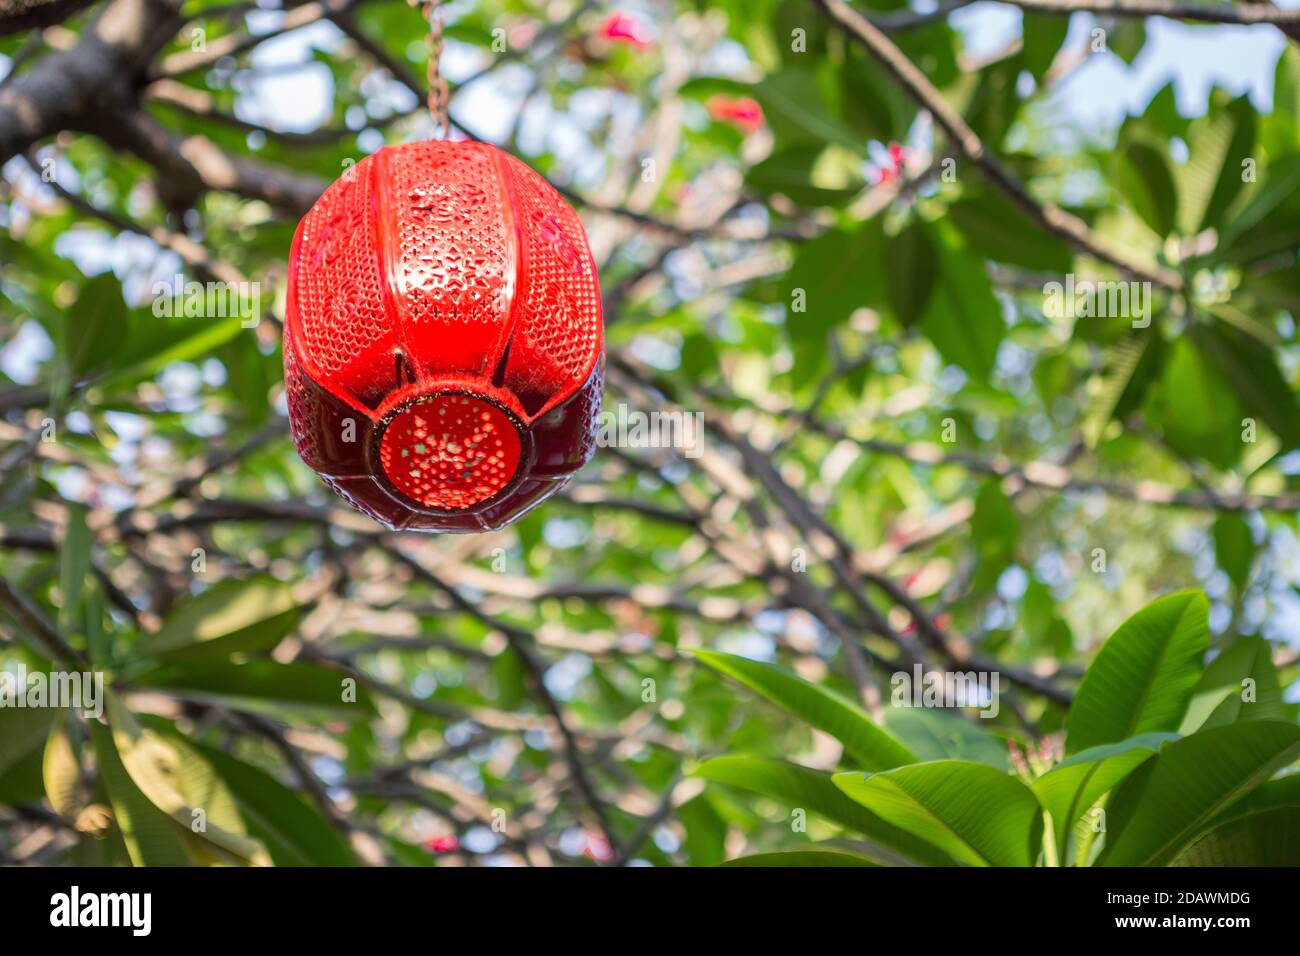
x=1241, y=13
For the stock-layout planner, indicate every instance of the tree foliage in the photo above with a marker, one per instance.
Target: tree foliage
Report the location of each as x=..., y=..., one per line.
x=983, y=392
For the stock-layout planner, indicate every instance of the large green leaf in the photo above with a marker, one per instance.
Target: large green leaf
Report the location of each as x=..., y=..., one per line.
x=911, y=269
x=23, y=731
x=152, y=837
x=1142, y=678
x=96, y=325
x=964, y=317
x=61, y=772
x=792, y=173
x=866, y=743
x=800, y=788
x=296, y=690
x=801, y=858
x=1270, y=837
x=831, y=277
x=231, y=617
x=1042, y=35
x=1154, y=815
x=1217, y=143
x=1234, y=547
x=1131, y=365
x=941, y=735
x=990, y=226
x=292, y=830
x=978, y=815
x=839, y=272
x=1240, y=684
x=1250, y=368
x=1144, y=177
x=1257, y=203
x=792, y=99
x=177, y=780
x=1070, y=788
x=1197, y=411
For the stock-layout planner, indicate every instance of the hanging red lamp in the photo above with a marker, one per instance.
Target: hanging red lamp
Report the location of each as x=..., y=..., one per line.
x=443, y=338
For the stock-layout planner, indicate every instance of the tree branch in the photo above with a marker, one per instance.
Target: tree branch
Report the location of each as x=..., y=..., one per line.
x=1241, y=13
x=1052, y=218
x=69, y=89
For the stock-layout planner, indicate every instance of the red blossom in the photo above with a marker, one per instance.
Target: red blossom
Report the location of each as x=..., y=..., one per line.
x=442, y=844
x=744, y=113
x=624, y=28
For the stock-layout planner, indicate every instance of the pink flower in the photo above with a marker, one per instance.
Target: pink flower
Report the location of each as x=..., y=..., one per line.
x=894, y=172
x=442, y=844
x=624, y=28
x=1017, y=758
x=744, y=113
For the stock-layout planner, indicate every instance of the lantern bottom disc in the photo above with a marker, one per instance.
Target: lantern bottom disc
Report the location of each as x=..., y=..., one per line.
x=450, y=452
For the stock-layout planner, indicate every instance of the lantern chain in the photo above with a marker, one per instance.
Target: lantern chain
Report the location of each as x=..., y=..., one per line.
x=439, y=97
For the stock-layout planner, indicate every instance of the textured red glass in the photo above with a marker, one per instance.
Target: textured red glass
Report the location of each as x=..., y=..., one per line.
x=443, y=338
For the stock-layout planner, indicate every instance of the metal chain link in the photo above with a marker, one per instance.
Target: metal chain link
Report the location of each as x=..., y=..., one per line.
x=438, y=94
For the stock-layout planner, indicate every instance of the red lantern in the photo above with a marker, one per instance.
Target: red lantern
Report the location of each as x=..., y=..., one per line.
x=443, y=338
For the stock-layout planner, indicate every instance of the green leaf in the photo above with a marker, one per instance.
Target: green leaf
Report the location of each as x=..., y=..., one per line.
x=1143, y=176
x=1157, y=813
x=152, y=837
x=706, y=831
x=995, y=529
x=1240, y=684
x=1042, y=36
x=964, y=318
x=1072, y=786
x=865, y=742
x=61, y=772
x=1258, y=830
x=1142, y=678
x=800, y=788
x=1126, y=39
x=293, y=831
x=911, y=268
x=831, y=277
x=1234, y=547
x=1257, y=203
x=1196, y=409
x=232, y=617
x=1211, y=177
x=96, y=325
x=1286, y=82
x=288, y=691
x=801, y=858
x=1132, y=364
x=1251, y=371
x=1267, y=838
x=23, y=731
x=791, y=173
x=939, y=735
x=793, y=98
x=978, y=815
x=178, y=781
x=990, y=226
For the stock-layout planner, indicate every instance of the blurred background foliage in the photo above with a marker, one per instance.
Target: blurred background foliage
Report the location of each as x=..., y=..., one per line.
x=909, y=456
